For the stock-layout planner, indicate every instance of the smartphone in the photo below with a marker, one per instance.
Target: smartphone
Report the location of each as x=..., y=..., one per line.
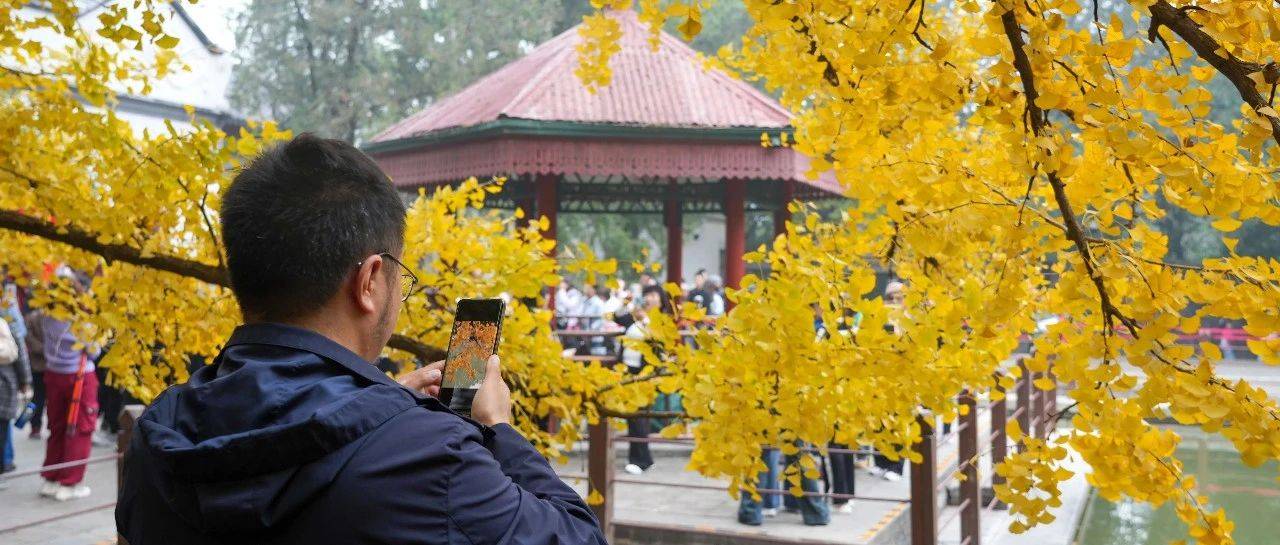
x=477, y=329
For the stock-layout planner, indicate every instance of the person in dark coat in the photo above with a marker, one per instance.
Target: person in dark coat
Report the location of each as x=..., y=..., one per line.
x=35, y=354
x=15, y=386
x=291, y=435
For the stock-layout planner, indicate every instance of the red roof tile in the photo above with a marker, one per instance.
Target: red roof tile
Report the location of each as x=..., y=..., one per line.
x=664, y=88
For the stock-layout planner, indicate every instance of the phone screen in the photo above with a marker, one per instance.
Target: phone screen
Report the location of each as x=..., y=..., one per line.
x=477, y=329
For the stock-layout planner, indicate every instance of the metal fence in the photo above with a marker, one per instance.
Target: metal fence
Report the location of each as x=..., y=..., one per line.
x=1033, y=411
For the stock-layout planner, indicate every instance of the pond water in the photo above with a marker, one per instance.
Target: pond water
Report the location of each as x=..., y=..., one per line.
x=1251, y=497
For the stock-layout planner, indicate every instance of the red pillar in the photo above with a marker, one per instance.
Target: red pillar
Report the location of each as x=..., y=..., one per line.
x=547, y=202
x=674, y=220
x=782, y=214
x=735, y=232
x=530, y=211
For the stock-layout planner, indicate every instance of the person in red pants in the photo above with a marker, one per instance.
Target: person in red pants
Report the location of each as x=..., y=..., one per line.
x=71, y=401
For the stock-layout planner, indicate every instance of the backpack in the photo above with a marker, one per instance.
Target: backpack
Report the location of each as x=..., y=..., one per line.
x=8, y=346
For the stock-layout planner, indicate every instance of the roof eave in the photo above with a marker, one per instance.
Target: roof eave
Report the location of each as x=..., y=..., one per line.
x=570, y=129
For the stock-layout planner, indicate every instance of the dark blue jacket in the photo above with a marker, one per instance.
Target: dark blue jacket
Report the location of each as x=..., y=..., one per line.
x=290, y=438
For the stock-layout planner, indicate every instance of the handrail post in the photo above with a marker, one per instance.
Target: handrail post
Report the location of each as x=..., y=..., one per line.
x=1025, y=392
x=1040, y=417
x=128, y=417
x=1051, y=403
x=600, y=472
x=999, y=439
x=970, y=529
x=924, y=486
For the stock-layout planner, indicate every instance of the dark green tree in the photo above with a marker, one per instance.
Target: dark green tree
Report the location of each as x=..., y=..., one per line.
x=347, y=68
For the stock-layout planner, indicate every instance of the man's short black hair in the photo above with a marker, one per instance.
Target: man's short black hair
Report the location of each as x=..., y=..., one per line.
x=298, y=219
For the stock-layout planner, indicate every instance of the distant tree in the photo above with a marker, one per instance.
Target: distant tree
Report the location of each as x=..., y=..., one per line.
x=625, y=237
x=571, y=13
x=723, y=23
x=348, y=68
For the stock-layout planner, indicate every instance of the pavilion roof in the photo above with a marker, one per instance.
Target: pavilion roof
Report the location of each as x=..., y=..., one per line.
x=669, y=87
x=664, y=116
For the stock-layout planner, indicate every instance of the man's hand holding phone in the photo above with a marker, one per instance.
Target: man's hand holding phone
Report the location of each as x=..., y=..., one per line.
x=492, y=404
x=425, y=379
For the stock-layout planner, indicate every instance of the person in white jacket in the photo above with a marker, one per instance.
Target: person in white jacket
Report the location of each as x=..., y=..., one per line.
x=653, y=300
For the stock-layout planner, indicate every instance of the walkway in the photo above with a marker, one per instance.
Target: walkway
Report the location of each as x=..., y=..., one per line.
x=21, y=501
x=657, y=507
x=639, y=505
x=648, y=512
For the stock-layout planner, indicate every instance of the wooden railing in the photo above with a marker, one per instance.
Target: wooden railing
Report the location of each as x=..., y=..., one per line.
x=1034, y=410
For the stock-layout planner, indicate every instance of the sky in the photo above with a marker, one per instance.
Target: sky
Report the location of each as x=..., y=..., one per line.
x=215, y=18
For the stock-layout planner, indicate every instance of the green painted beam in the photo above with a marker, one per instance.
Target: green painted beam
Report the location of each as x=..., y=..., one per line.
x=567, y=129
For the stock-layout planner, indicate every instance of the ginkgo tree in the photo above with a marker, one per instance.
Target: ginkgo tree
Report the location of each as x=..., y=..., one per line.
x=138, y=209
x=1004, y=159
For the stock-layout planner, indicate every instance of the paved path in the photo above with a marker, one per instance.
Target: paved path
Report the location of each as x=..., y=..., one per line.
x=641, y=502
x=21, y=502
x=715, y=511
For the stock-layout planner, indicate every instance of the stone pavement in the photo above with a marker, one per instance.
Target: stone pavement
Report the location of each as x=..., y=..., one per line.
x=643, y=504
x=657, y=509
x=637, y=503
x=654, y=506
x=21, y=502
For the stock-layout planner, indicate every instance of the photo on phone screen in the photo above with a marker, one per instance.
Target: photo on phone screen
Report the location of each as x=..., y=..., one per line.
x=472, y=343
x=477, y=328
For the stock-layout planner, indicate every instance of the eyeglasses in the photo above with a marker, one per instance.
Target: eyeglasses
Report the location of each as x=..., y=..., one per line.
x=408, y=280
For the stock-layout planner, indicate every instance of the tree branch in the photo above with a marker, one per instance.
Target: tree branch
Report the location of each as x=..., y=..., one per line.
x=212, y=274
x=87, y=241
x=419, y=349
x=1039, y=123
x=915, y=32
x=660, y=373
x=1235, y=70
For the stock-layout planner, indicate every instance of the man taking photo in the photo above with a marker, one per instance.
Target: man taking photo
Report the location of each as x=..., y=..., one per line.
x=292, y=435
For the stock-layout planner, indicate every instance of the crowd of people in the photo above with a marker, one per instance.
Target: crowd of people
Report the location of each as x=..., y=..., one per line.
x=598, y=307
x=620, y=314
x=50, y=382
x=623, y=312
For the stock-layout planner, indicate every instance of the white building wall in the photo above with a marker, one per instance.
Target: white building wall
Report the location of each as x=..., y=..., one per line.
x=204, y=84
x=704, y=247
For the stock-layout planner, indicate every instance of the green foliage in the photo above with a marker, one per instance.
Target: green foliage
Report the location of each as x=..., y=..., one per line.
x=347, y=69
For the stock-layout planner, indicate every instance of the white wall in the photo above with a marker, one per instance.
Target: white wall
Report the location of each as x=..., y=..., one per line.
x=205, y=83
x=704, y=247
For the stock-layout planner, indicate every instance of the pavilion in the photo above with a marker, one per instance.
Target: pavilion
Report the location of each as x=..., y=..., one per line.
x=666, y=136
